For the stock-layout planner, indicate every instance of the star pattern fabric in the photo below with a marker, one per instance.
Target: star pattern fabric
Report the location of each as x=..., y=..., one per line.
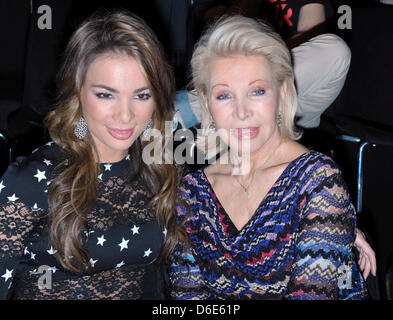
x=122, y=237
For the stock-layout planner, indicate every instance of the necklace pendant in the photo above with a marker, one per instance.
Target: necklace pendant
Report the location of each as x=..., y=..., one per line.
x=245, y=194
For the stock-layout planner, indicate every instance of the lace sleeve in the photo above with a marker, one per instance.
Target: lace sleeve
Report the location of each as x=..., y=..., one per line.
x=15, y=225
x=323, y=266
x=17, y=190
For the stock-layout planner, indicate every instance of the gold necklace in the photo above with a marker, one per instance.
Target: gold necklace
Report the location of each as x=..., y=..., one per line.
x=245, y=194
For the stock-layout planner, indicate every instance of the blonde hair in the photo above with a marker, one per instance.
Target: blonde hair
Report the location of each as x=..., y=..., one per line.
x=241, y=36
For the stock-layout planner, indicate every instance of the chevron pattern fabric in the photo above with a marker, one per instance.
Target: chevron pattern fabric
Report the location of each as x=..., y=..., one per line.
x=297, y=245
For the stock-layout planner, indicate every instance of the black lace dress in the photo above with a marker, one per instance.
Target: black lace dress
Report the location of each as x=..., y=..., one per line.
x=122, y=237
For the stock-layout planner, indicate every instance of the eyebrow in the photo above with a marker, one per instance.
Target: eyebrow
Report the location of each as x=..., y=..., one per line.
x=252, y=82
x=116, y=91
x=219, y=84
x=264, y=81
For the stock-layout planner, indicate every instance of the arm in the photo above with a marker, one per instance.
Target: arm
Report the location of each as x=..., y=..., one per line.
x=323, y=266
x=16, y=222
x=367, y=261
x=310, y=16
x=186, y=281
x=311, y=21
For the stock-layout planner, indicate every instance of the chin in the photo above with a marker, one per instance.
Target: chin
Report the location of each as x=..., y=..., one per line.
x=247, y=146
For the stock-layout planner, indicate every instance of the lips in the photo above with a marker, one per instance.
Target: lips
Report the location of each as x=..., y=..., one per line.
x=120, y=134
x=245, y=132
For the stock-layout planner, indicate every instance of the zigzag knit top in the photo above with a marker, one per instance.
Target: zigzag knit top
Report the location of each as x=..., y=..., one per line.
x=297, y=245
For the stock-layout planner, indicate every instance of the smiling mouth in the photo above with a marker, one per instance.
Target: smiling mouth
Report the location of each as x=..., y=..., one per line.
x=120, y=134
x=246, y=132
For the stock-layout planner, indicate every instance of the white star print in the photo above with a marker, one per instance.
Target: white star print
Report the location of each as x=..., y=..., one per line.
x=107, y=167
x=93, y=262
x=33, y=272
x=148, y=252
x=12, y=198
x=100, y=177
x=35, y=207
x=53, y=269
x=119, y=265
x=127, y=157
x=101, y=240
x=49, y=143
x=7, y=274
x=51, y=250
x=32, y=255
x=135, y=229
x=40, y=175
x=164, y=232
x=47, y=162
x=123, y=244
x=26, y=251
x=2, y=186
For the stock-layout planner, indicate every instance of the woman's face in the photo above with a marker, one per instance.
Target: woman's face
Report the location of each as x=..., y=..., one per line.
x=243, y=99
x=116, y=103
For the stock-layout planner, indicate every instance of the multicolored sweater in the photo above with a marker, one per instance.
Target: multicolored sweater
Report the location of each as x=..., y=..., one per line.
x=297, y=245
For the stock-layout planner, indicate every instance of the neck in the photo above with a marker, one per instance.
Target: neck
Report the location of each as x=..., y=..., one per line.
x=245, y=165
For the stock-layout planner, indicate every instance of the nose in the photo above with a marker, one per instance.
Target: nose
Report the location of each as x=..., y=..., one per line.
x=123, y=112
x=242, y=110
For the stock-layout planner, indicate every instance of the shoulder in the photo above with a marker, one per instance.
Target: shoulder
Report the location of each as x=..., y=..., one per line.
x=28, y=177
x=312, y=169
x=41, y=162
x=323, y=189
x=318, y=165
x=314, y=164
x=193, y=180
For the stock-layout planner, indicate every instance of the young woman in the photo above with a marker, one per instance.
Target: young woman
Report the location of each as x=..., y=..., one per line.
x=84, y=217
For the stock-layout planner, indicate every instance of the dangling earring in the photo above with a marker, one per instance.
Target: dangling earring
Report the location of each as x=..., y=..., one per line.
x=147, y=132
x=279, y=119
x=212, y=127
x=80, y=130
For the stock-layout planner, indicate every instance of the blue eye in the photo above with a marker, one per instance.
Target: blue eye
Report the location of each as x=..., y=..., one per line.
x=222, y=96
x=103, y=95
x=143, y=96
x=258, y=92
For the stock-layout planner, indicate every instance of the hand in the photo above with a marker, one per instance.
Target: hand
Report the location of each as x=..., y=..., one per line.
x=367, y=260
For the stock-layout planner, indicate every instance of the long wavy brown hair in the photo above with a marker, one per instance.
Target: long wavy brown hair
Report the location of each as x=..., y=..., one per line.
x=74, y=190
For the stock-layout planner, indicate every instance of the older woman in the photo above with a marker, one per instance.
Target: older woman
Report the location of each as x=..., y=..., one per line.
x=84, y=217
x=284, y=227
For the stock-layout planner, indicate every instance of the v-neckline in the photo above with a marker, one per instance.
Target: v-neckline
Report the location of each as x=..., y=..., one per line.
x=220, y=208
